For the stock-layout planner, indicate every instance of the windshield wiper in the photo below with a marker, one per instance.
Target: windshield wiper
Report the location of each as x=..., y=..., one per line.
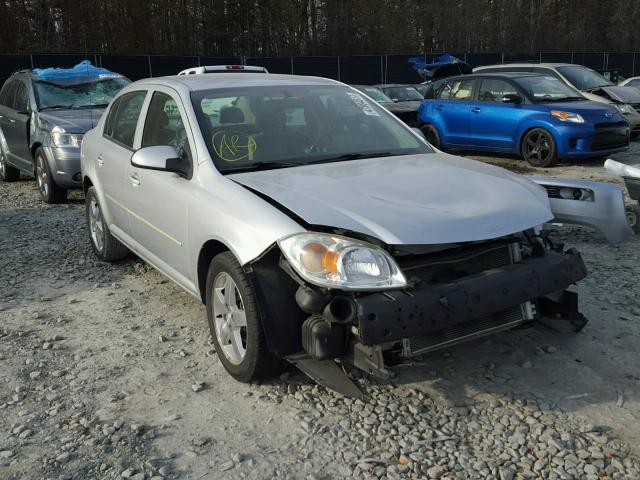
x=261, y=166
x=351, y=156
x=49, y=107
x=563, y=99
x=97, y=105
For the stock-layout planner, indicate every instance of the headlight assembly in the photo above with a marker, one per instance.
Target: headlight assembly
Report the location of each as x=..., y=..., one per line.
x=567, y=116
x=624, y=108
x=61, y=139
x=332, y=261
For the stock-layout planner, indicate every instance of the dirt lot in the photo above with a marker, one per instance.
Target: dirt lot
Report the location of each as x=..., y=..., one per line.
x=107, y=372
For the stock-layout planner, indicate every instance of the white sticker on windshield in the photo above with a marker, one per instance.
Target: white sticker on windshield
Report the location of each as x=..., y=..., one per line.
x=363, y=104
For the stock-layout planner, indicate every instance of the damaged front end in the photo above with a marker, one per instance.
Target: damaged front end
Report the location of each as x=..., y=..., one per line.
x=453, y=294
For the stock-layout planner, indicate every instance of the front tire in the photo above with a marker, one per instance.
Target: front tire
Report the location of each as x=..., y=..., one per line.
x=106, y=247
x=50, y=192
x=539, y=148
x=234, y=316
x=7, y=172
x=633, y=217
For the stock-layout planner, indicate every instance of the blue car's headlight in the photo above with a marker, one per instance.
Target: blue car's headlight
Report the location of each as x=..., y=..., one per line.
x=567, y=116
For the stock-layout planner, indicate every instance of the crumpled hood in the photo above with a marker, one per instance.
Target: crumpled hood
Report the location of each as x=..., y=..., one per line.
x=622, y=94
x=408, y=200
x=73, y=120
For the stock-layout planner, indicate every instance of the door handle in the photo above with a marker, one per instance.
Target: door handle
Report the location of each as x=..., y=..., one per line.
x=135, y=181
x=475, y=109
x=439, y=107
x=100, y=160
x=12, y=120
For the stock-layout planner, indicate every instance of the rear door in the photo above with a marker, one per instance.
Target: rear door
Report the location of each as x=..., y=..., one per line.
x=452, y=109
x=493, y=123
x=6, y=105
x=113, y=154
x=16, y=129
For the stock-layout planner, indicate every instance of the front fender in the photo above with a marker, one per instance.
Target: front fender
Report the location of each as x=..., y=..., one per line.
x=601, y=205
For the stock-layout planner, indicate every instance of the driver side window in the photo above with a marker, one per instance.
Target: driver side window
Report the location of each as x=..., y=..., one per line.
x=164, y=126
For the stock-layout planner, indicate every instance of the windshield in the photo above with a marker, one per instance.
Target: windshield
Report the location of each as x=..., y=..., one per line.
x=290, y=125
x=403, y=94
x=81, y=95
x=375, y=93
x=544, y=89
x=583, y=78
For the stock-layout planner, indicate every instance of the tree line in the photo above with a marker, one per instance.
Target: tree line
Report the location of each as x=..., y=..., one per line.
x=316, y=27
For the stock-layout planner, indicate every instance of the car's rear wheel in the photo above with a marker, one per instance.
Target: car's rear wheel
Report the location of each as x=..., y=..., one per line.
x=431, y=134
x=233, y=315
x=539, y=148
x=50, y=192
x=7, y=172
x=106, y=247
x=633, y=216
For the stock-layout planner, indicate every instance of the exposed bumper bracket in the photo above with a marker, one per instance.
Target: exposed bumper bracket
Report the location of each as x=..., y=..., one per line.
x=327, y=373
x=562, y=313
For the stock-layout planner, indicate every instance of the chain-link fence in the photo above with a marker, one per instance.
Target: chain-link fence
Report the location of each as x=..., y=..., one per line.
x=355, y=69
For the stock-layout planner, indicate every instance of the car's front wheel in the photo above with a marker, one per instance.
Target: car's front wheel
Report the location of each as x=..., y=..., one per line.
x=50, y=192
x=633, y=216
x=233, y=315
x=7, y=172
x=431, y=134
x=539, y=148
x=106, y=247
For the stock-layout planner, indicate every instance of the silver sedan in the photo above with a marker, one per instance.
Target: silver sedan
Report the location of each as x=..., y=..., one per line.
x=320, y=230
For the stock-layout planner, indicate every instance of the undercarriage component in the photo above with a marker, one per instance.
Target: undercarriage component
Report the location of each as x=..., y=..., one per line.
x=488, y=325
x=370, y=359
x=328, y=374
x=560, y=312
x=323, y=340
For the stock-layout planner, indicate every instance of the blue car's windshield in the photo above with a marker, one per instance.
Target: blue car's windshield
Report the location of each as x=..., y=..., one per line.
x=547, y=89
x=81, y=95
x=251, y=128
x=583, y=78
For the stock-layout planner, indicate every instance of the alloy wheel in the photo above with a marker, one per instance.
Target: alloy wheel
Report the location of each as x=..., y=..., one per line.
x=537, y=148
x=230, y=320
x=96, y=224
x=42, y=176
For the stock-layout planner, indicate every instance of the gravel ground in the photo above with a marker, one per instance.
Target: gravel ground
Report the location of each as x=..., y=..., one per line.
x=108, y=373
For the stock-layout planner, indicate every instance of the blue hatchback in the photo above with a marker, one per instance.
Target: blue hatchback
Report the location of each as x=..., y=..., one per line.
x=535, y=116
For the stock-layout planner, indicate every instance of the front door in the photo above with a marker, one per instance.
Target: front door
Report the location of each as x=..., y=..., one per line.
x=494, y=123
x=16, y=128
x=161, y=199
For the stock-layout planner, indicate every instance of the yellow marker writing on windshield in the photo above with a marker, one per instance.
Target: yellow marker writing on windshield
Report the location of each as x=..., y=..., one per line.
x=233, y=146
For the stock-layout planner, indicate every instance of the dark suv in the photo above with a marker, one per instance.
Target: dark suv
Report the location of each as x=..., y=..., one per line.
x=43, y=116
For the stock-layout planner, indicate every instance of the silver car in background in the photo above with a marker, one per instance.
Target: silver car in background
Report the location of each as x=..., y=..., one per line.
x=317, y=227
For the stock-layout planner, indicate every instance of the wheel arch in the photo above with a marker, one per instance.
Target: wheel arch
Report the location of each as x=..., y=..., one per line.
x=207, y=252
x=87, y=183
x=551, y=131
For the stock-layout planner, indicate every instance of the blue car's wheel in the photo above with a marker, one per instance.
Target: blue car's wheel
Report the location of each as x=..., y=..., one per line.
x=539, y=148
x=431, y=134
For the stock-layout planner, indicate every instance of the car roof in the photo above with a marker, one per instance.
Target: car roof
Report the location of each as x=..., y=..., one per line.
x=494, y=74
x=550, y=65
x=384, y=85
x=196, y=83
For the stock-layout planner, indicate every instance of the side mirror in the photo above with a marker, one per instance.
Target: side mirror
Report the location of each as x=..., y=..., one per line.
x=395, y=99
x=512, y=98
x=163, y=158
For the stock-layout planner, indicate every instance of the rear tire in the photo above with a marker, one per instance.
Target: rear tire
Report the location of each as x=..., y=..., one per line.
x=7, y=172
x=539, y=148
x=233, y=314
x=106, y=247
x=50, y=192
x=431, y=134
x=633, y=216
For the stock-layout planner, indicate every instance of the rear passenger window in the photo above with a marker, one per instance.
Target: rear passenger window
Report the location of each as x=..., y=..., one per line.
x=461, y=89
x=21, y=102
x=126, y=118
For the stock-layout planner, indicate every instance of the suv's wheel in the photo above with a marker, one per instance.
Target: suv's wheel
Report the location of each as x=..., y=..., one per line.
x=539, y=148
x=50, y=192
x=234, y=320
x=431, y=134
x=105, y=246
x=633, y=216
x=7, y=172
